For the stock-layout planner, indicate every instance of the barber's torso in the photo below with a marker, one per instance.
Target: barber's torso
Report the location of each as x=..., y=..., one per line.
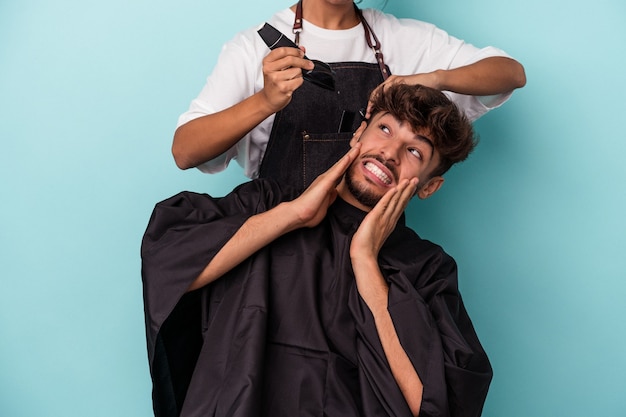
x=238, y=74
x=314, y=129
x=345, y=46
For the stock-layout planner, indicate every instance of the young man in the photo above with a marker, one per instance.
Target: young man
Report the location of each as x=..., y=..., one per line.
x=268, y=303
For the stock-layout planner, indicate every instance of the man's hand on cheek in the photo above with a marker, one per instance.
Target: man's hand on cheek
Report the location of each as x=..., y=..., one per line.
x=381, y=220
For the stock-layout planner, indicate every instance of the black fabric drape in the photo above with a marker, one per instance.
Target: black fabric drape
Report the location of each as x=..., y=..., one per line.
x=286, y=333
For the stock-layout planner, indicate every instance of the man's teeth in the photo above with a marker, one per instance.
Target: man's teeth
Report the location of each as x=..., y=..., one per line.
x=378, y=172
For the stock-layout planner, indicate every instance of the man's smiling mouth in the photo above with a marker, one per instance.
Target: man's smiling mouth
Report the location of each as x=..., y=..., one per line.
x=380, y=174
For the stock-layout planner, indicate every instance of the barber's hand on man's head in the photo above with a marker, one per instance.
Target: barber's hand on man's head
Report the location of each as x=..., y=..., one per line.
x=381, y=220
x=312, y=205
x=428, y=79
x=282, y=75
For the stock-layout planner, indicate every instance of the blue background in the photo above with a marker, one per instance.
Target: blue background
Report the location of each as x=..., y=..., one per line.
x=89, y=96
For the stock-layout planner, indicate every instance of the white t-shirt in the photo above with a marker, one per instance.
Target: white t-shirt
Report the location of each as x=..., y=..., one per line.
x=409, y=47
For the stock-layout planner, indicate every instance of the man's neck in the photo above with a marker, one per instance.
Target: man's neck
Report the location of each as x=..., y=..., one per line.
x=328, y=15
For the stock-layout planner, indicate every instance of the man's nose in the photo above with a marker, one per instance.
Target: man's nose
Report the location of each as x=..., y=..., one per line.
x=391, y=152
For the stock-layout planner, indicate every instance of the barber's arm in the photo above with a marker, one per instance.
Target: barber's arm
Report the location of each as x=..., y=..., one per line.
x=207, y=137
x=307, y=210
x=364, y=249
x=493, y=75
x=489, y=76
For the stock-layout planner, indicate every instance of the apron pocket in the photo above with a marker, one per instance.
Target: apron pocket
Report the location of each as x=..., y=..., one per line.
x=321, y=151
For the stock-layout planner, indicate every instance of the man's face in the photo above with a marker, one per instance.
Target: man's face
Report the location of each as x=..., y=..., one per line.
x=390, y=152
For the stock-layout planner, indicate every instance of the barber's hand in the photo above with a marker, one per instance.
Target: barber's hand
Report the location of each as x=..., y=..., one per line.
x=428, y=79
x=282, y=75
x=312, y=205
x=381, y=221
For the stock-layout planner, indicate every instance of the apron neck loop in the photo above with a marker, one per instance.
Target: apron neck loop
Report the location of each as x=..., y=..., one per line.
x=369, y=35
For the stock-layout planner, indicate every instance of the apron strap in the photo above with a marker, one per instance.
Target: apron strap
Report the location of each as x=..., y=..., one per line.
x=297, y=24
x=369, y=35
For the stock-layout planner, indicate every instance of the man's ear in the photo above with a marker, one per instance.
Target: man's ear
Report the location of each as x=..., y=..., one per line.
x=431, y=186
x=358, y=133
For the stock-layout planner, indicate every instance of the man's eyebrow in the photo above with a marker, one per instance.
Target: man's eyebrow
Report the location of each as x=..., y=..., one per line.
x=426, y=140
x=421, y=138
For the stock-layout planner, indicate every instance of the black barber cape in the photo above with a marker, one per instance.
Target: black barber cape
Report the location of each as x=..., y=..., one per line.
x=286, y=333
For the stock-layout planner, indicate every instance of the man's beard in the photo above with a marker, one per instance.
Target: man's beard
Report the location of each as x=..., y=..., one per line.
x=362, y=191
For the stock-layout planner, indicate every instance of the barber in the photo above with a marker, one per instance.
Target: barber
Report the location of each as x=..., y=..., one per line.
x=257, y=109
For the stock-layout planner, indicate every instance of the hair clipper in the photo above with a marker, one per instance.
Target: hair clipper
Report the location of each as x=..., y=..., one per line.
x=321, y=74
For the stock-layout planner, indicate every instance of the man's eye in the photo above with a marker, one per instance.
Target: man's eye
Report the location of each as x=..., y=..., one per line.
x=416, y=152
x=384, y=128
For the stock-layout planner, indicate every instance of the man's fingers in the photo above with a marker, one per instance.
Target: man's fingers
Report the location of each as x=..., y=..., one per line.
x=393, y=203
x=382, y=207
x=339, y=168
x=330, y=179
x=405, y=196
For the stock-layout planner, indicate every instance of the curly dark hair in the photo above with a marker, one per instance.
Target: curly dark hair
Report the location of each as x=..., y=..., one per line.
x=424, y=107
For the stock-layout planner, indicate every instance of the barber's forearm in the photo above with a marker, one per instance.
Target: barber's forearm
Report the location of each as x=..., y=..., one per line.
x=374, y=291
x=202, y=139
x=257, y=232
x=494, y=75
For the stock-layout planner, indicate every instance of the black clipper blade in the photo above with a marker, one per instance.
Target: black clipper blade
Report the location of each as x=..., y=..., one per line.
x=321, y=74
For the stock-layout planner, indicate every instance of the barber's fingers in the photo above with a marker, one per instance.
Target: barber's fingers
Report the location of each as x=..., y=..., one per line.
x=278, y=86
x=280, y=59
x=282, y=75
x=393, y=79
x=286, y=80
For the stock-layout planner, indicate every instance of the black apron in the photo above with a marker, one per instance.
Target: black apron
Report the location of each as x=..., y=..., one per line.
x=314, y=130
